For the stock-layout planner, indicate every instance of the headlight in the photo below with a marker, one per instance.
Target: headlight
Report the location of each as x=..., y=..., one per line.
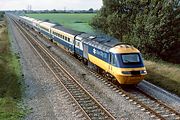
x=143, y=71
x=126, y=72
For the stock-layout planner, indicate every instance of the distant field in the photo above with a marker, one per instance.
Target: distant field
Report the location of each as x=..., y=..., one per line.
x=75, y=21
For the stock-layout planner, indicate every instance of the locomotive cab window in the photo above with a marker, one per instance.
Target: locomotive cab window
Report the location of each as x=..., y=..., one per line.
x=130, y=58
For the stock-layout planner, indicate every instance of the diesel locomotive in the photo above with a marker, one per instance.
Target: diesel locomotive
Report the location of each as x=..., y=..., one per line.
x=107, y=55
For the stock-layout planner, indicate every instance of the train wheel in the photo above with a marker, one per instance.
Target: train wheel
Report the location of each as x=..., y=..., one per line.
x=85, y=62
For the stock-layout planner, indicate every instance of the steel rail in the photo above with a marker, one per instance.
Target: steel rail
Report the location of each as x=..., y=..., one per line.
x=104, y=113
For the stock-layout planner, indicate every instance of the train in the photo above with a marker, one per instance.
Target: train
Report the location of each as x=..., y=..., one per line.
x=114, y=59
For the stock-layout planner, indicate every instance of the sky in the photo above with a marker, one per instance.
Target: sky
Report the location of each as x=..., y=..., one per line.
x=50, y=4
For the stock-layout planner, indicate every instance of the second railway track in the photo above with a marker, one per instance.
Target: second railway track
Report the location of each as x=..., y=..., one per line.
x=88, y=105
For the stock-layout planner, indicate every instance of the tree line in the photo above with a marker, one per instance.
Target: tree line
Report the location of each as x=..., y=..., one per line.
x=153, y=26
x=1, y=15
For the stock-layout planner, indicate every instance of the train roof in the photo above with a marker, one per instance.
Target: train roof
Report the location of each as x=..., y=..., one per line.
x=27, y=18
x=107, y=41
x=46, y=24
x=62, y=28
x=124, y=48
x=37, y=21
x=85, y=36
x=103, y=42
x=23, y=17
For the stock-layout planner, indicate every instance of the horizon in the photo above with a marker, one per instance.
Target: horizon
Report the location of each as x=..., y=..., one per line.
x=12, y=5
x=51, y=10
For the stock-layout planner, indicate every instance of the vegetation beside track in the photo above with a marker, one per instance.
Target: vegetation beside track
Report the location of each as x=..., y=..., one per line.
x=163, y=74
x=1, y=15
x=10, y=79
x=75, y=21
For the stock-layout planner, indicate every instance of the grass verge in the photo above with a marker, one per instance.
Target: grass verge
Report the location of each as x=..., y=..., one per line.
x=10, y=109
x=165, y=75
x=10, y=80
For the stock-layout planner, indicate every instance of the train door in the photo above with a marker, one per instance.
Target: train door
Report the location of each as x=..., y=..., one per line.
x=77, y=46
x=50, y=35
x=112, y=63
x=74, y=44
x=85, y=51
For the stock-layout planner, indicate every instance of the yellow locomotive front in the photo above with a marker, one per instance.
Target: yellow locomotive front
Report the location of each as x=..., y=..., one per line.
x=126, y=64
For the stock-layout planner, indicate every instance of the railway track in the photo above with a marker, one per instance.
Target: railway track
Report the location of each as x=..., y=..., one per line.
x=89, y=107
x=145, y=102
x=157, y=109
x=160, y=109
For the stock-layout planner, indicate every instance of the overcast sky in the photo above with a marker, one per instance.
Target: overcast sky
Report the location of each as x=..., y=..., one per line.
x=50, y=4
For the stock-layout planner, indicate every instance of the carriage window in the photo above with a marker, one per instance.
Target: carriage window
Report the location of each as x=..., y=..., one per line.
x=77, y=43
x=68, y=39
x=65, y=38
x=44, y=28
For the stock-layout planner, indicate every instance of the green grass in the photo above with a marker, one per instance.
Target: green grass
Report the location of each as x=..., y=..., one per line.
x=10, y=109
x=10, y=76
x=10, y=81
x=75, y=21
x=165, y=75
